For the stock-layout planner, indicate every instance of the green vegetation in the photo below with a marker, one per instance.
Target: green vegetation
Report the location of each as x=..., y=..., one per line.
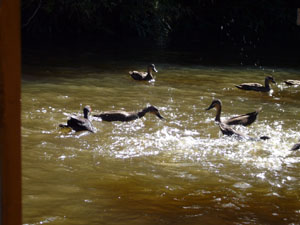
x=162, y=21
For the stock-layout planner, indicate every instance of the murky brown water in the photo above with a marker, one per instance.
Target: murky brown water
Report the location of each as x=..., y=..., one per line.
x=148, y=171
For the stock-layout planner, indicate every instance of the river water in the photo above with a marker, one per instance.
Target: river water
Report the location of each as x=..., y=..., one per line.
x=181, y=170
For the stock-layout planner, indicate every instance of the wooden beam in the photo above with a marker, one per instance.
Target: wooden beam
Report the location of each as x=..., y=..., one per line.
x=10, y=122
x=298, y=17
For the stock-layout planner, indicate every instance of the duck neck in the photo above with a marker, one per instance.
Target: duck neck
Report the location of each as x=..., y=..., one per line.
x=267, y=85
x=149, y=70
x=218, y=115
x=86, y=114
x=142, y=113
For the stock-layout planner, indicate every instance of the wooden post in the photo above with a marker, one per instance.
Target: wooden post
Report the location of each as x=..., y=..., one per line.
x=298, y=17
x=10, y=122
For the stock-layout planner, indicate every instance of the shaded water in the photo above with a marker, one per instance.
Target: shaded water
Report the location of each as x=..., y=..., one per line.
x=178, y=171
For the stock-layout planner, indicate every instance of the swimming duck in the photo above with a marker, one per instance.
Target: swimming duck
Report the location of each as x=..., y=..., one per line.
x=245, y=119
x=79, y=123
x=256, y=86
x=292, y=82
x=144, y=75
x=226, y=129
x=128, y=116
x=296, y=146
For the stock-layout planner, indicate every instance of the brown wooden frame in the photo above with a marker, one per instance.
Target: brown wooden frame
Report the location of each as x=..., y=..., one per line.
x=10, y=122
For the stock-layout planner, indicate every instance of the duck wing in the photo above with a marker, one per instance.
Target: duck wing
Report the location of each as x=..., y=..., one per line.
x=245, y=119
x=250, y=86
x=138, y=75
x=80, y=124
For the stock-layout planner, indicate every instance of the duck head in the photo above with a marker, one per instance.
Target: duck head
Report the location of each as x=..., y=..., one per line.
x=86, y=110
x=154, y=110
x=215, y=103
x=152, y=67
x=270, y=78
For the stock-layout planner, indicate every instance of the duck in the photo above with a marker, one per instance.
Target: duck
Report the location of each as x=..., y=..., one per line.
x=296, y=146
x=245, y=119
x=144, y=75
x=226, y=129
x=292, y=82
x=128, y=116
x=256, y=86
x=80, y=123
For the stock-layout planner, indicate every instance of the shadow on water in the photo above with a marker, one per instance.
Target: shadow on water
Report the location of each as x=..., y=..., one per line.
x=148, y=171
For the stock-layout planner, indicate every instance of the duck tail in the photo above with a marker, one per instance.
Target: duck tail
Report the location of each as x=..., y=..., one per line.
x=63, y=125
x=238, y=86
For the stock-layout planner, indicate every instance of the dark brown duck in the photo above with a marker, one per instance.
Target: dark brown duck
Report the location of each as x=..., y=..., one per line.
x=128, y=116
x=257, y=86
x=144, y=75
x=80, y=123
x=226, y=129
x=245, y=119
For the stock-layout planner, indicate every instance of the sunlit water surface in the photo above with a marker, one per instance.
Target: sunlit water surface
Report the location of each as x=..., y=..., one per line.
x=178, y=171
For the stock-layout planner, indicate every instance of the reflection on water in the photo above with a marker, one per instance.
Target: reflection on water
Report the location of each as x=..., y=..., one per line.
x=148, y=171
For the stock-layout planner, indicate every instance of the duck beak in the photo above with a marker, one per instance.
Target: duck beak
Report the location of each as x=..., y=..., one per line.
x=155, y=70
x=210, y=107
x=159, y=116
